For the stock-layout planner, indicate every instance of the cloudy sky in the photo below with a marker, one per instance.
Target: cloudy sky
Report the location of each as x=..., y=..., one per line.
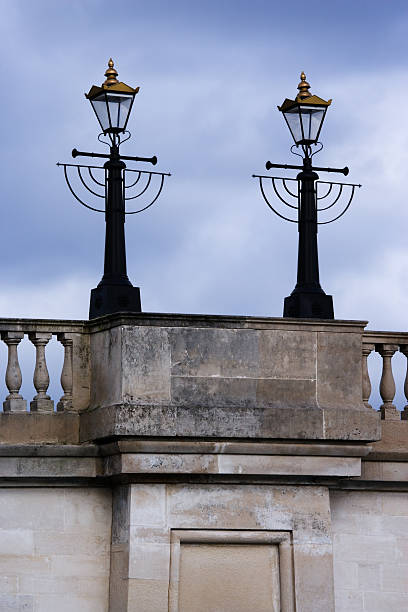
x=211, y=74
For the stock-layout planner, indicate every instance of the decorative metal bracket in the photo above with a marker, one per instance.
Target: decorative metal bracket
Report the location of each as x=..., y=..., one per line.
x=295, y=197
x=102, y=193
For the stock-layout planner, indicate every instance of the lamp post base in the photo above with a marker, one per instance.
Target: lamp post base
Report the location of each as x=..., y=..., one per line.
x=309, y=306
x=108, y=299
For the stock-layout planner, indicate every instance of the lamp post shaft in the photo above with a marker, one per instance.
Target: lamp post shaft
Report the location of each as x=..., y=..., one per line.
x=308, y=260
x=115, y=293
x=308, y=300
x=115, y=248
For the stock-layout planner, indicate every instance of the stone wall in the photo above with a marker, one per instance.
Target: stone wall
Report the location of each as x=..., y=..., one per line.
x=54, y=549
x=202, y=463
x=370, y=549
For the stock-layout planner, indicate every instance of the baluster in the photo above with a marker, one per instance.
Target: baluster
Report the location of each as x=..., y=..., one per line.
x=65, y=402
x=404, y=414
x=367, y=348
x=14, y=401
x=41, y=402
x=387, y=384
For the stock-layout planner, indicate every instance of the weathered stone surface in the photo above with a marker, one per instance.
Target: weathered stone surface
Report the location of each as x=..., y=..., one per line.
x=232, y=576
x=232, y=464
x=339, y=372
x=394, y=442
x=54, y=549
x=288, y=354
x=106, y=367
x=29, y=428
x=227, y=377
x=370, y=550
x=351, y=424
x=305, y=423
x=145, y=365
x=214, y=353
x=249, y=515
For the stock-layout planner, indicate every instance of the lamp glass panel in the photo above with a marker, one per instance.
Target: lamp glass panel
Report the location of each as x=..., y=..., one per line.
x=101, y=111
x=293, y=120
x=119, y=108
x=312, y=118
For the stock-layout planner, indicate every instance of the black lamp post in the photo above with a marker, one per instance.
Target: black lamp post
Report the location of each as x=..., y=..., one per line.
x=112, y=103
x=304, y=117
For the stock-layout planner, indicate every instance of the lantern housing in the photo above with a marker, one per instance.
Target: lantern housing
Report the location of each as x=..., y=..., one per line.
x=112, y=102
x=304, y=115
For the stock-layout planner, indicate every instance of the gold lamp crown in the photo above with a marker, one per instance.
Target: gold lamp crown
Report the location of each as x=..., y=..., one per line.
x=304, y=97
x=111, y=75
x=111, y=83
x=303, y=87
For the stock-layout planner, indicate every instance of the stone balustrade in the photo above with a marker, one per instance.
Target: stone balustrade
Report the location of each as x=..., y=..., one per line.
x=74, y=338
x=385, y=344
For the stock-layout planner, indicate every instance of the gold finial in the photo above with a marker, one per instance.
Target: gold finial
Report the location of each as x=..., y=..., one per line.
x=111, y=75
x=303, y=87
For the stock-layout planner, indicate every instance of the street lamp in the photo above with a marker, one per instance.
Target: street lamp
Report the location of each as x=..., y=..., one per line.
x=304, y=117
x=112, y=104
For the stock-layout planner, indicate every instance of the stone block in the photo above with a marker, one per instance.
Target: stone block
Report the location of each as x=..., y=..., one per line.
x=287, y=354
x=106, y=367
x=316, y=577
x=145, y=365
x=148, y=561
x=339, y=374
x=53, y=601
x=345, y=574
x=225, y=353
x=85, y=565
x=15, y=405
x=395, y=471
x=70, y=543
x=16, y=603
x=213, y=392
x=351, y=422
x=87, y=509
x=283, y=394
x=36, y=427
x=381, y=602
x=359, y=548
x=14, y=542
x=369, y=576
x=15, y=511
x=395, y=579
x=15, y=565
x=120, y=516
x=395, y=504
x=401, y=546
x=147, y=595
x=8, y=584
x=148, y=505
x=348, y=600
x=42, y=405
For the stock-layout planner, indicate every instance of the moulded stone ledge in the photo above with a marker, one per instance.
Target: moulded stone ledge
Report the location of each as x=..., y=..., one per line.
x=274, y=422
x=242, y=465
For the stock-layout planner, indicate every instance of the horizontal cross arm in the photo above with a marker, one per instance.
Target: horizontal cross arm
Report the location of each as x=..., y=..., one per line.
x=270, y=165
x=150, y=160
